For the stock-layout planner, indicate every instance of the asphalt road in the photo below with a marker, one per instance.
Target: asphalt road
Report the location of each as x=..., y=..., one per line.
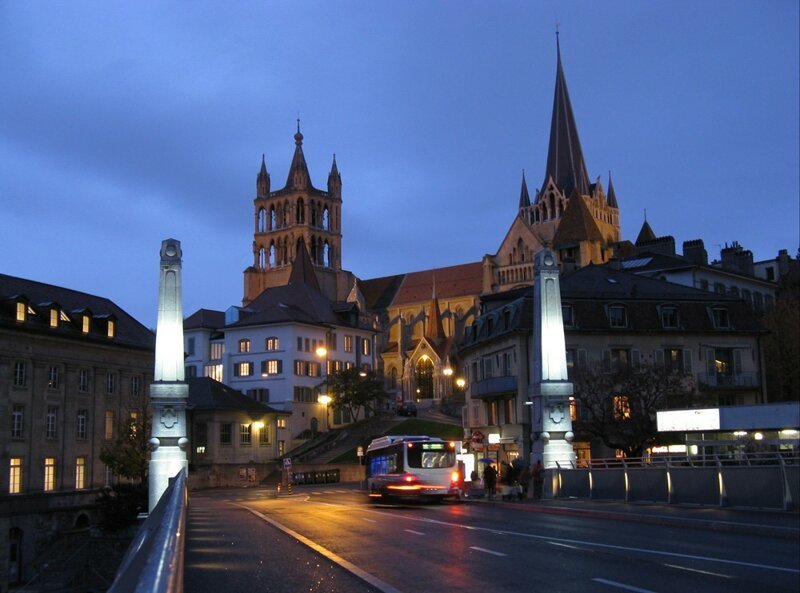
x=333, y=539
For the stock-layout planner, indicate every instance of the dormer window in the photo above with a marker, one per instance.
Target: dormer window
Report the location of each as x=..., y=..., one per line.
x=669, y=317
x=111, y=329
x=22, y=311
x=617, y=316
x=85, y=324
x=53, y=317
x=568, y=315
x=720, y=317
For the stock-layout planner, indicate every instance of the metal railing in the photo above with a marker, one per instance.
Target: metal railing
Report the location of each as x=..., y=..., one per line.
x=494, y=385
x=154, y=560
x=734, y=380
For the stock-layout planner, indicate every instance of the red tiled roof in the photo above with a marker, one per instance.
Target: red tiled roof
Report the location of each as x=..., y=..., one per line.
x=452, y=281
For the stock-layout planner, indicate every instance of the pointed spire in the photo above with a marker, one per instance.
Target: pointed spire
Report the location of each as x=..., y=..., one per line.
x=298, y=171
x=303, y=269
x=262, y=181
x=435, y=329
x=646, y=234
x=524, y=197
x=565, y=164
x=611, y=198
x=334, y=179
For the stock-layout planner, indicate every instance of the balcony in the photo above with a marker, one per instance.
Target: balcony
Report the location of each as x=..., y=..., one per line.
x=723, y=381
x=493, y=387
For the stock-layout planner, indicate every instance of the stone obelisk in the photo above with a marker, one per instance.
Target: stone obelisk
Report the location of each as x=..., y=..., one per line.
x=169, y=392
x=551, y=389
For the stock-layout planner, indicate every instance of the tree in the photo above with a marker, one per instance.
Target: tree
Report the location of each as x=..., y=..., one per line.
x=782, y=348
x=620, y=407
x=351, y=391
x=128, y=455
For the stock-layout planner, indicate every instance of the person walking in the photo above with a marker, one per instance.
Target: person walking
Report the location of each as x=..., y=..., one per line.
x=490, y=481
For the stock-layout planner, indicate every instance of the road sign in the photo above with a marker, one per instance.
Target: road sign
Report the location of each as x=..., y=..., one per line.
x=287, y=463
x=360, y=451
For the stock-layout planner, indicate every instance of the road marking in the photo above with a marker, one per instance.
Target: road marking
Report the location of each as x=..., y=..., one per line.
x=349, y=566
x=622, y=586
x=547, y=538
x=370, y=520
x=563, y=545
x=713, y=574
x=414, y=532
x=492, y=552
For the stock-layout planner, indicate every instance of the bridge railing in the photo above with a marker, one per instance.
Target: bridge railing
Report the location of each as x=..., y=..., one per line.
x=154, y=560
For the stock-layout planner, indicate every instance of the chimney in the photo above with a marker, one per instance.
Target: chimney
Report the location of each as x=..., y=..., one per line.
x=663, y=245
x=695, y=252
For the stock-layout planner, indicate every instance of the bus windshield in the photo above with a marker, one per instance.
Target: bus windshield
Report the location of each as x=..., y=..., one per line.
x=431, y=456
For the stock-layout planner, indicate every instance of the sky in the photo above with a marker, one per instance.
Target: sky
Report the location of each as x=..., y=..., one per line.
x=126, y=123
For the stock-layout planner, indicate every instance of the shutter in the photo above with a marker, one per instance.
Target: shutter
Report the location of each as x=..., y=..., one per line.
x=607, y=361
x=636, y=361
x=266, y=395
x=280, y=367
x=659, y=354
x=687, y=362
x=737, y=362
x=263, y=367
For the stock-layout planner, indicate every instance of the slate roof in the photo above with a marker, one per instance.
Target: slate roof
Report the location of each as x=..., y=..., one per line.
x=645, y=234
x=577, y=224
x=128, y=331
x=205, y=319
x=652, y=263
x=207, y=394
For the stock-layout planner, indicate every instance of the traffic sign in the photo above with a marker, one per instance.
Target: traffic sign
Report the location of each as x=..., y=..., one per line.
x=287, y=463
x=360, y=451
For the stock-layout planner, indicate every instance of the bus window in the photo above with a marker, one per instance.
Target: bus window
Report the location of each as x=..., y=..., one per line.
x=431, y=455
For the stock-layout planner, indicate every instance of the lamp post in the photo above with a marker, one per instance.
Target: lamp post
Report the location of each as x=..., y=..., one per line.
x=324, y=398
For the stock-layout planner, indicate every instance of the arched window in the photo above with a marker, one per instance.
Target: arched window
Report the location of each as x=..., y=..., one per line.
x=313, y=214
x=273, y=219
x=423, y=378
x=285, y=211
x=325, y=218
x=326, y=255
x=262, y=258
x=300, y=215
x=272, y=255
x=314, y=249
x=262, y=220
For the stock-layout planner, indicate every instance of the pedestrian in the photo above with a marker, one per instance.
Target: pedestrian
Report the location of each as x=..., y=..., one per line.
x=524, y=481
x=538, y=479
x=490, y=481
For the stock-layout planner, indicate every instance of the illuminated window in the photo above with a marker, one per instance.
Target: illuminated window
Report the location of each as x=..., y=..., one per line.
x=15, y=475
x=299, y=367
x=85, y=324
x=271, y=367
x=491, y=414
x=245, y=434
x=17, y=420
x=314, y=369
x=281, y=448
x=111, y=382
x=217, y=350
x=617, y=316
x=272, y=344
x=573, y=409
x=52, y=377
x=83, y=380
x=622, y=407
x=20, y=374
x=133, y=424
x=108, y=431
x=263, y=435
x=348, y=343
x=366, y=347
x=111, y=328
x=243, y=369
x=49, y=474
x=22, y=312
x=51, y=422
x=53, y=318
x=214, y=371
x=244, y=345
x=80, y=473
x=669, y=317
x=508, y=410
x=281, y=422
x=81, y=423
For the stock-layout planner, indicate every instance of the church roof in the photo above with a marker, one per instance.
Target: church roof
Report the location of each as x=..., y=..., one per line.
x=299, y=177
x=577, y=223
x=303, y=269
x=611, y=197
x=435, y=330
x=646, y=234
x=524, y=196
x=565, y=164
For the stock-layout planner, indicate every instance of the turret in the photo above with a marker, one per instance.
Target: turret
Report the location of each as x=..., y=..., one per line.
x=262, y=182
x=334, y=180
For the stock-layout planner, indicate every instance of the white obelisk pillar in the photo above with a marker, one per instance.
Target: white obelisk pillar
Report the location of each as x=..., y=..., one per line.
x=169, y=392
x=550, y=392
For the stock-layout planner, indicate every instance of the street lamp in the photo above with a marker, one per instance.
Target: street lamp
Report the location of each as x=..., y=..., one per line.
x=325, y=400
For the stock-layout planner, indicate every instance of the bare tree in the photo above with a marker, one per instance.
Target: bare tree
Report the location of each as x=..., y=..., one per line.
x=619, y=407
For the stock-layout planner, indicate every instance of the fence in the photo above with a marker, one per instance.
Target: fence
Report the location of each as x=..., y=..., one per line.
x=758, y=480
x=154, y=560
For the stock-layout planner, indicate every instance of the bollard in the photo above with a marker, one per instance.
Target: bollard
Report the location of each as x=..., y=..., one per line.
x=289, y=488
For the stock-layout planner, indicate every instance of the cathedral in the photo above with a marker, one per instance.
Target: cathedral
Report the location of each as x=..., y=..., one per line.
x=421, y=315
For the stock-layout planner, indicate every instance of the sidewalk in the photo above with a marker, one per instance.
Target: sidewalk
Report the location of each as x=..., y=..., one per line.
x=770, y=523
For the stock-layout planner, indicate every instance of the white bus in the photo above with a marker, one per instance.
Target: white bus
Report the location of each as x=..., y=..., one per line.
x=412, y=467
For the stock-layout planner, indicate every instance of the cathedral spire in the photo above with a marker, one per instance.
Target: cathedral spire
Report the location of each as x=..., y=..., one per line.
x=565, y=164
x=524, y=196
x=303, y=269
x=298, y=171
x=435, y=329
x=611, y=197
x=262, y=182
x=334, y=178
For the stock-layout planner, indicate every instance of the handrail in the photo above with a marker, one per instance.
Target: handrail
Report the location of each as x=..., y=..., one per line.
x=761, y=458
x=154, y=560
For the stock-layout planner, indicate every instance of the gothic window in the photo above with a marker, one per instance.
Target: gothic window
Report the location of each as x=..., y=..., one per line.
x=326, y=261
x=423, y=378
x=314, y=249
x=262, y=258
x=273, y=219
x=521, y=250
x=326, y=218
x=300, y=215
x=284, y=248
x=285, y=212
x=272, y=255
x=313, y=214
x=262, y=220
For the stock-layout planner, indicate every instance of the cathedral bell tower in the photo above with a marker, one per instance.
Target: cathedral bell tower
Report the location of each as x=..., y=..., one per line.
x=296, y=213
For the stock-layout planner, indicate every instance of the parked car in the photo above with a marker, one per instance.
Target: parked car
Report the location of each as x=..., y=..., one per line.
x=407, y=409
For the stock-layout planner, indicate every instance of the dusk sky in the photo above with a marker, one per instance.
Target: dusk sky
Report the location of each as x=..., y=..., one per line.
x=125, y=123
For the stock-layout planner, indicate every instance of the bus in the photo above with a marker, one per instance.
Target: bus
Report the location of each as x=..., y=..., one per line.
x=412, y=467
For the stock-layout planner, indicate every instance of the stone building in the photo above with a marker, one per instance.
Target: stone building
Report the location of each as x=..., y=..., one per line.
x=74, y=371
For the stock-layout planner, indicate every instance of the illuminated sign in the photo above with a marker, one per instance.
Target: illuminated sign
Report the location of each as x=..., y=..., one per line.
x=494, y=438
x=688, y=420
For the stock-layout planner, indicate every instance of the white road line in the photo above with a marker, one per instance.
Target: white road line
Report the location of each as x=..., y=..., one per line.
x=598, y=544
x=563, y=545
x=349, y=566
x=370, y=520
x=622, y=586
x=713, y=574
x=414, y=532
x=492, y=552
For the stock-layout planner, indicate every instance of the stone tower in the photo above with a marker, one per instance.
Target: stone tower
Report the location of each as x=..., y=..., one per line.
x=285, y=217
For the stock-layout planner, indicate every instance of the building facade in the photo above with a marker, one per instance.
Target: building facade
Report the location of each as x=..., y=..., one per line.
x=74, y=371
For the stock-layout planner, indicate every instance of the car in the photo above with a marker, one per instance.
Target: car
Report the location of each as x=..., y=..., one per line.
x=407, y=409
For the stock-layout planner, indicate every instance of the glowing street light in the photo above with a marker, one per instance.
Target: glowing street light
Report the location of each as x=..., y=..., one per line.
x=461, y=383
x=325, y=400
